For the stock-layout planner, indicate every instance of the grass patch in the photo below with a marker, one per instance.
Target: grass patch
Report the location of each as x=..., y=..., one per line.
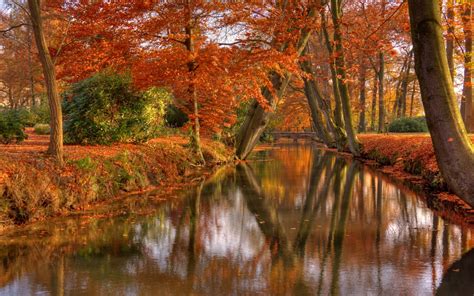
x=42, y=129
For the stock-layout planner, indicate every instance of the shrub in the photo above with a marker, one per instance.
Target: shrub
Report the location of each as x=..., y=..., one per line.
x=175, y=117
x=11, y=127
x=408, y=125
x=26, y=117
x=40, y=113
x=31, y=116
x=42, y=129
x=266, y=137
x=105, y=108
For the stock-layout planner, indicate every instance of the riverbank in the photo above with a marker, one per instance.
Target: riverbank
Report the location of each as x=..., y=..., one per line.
x=411, y=159
x=32, y=187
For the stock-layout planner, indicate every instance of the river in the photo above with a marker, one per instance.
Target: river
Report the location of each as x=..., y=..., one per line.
x=294, y=220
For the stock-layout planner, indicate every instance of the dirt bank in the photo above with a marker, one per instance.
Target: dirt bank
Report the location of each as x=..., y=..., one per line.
x=32, y=187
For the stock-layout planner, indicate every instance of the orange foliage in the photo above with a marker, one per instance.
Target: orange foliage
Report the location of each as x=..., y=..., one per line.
x=234, y=47
x=294, y=112
x=412, y=153
x=401, y=147
x=410, y=157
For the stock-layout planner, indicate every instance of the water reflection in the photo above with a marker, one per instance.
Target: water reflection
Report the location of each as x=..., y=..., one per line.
x=295, y=220
x=458, y=280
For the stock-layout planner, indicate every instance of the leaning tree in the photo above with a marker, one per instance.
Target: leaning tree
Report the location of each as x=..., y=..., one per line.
x=453, y=148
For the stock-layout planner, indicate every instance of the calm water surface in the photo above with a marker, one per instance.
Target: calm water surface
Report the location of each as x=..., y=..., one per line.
x=293, y=221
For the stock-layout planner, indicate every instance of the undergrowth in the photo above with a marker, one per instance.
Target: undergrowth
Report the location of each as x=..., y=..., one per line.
x=413, y=154
x=37, y=188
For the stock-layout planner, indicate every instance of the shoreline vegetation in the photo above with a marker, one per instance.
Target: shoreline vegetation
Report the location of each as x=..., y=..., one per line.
x=410, y=159
x=93, y=174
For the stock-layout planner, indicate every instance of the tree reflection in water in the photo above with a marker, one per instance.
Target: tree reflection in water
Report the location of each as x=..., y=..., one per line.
x=458, y=279
x=294, y=220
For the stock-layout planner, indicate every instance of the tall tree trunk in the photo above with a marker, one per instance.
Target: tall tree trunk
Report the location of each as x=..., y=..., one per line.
x=56, y=137
x=450, y=37
x=316, y=114
x=412, y=100
x=362, y=96
x=338, y=117
x=404, y=92
x=467, y=106
x=373, y=113
x=11, y=101
x=381, y=74
x=192, y=66
x=336, y=137
x=397, y=103
x=257, y=118
x=453, y=148
x=197, y=129
x=354, y=145
x=30, y=68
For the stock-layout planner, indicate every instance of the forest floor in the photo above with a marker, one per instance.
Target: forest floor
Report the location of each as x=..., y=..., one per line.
x=33, y=187
x=410, y=158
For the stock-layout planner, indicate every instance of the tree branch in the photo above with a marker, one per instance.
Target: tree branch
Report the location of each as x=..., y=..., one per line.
x=386, y=20
x=12, y=28
x=62, y=42
x=245, y=41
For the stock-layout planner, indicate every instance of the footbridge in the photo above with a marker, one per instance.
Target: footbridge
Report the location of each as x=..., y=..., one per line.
x=295, y=136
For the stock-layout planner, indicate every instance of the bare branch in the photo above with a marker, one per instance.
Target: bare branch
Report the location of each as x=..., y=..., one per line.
x=62, y=42
x=245, y=41
x=25, y=10
x=12, y=28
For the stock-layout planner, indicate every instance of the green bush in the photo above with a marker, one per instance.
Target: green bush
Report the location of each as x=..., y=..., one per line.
x=408, y=125
x=11, y=127
x=266, y=137
x=105, y=108
x=42, y=129
x=40, y=114
x=31, y=116
x=26, y=117
x=175, y=117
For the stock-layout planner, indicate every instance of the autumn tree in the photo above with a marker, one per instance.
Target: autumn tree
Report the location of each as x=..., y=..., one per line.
x=354, y=145
x=400, y=103
x=467, y=105
x=196, y=50
x=56, y=138
x=338, y=117
x=19, y=68
x=450, y=5
x=217, y=75
x=328, y=130
x=285, y=18
x=453, y=148
x=366, y=23
x=362, y=97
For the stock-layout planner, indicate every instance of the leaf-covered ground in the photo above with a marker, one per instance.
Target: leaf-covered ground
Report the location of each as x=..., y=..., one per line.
x=32, y=187
x=410, y=157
